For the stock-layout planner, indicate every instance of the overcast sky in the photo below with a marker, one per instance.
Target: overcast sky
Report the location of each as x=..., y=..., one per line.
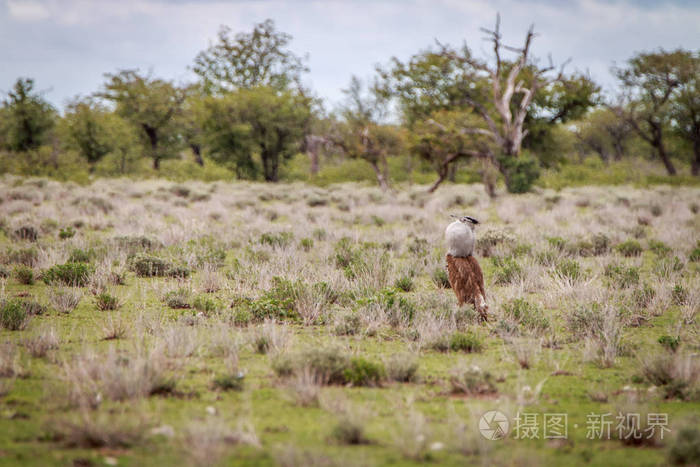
x=67, y=45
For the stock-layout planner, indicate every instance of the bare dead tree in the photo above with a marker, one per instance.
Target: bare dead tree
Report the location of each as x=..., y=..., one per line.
x=511, y=94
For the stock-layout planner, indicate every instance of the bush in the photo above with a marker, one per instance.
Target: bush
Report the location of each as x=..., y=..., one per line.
x=178, y=299
x=568, y=269
x=465, y=342
x=306, y=244
x=685, y=447
x=642, y=296
x=507, y=270
x=204, y=304
x=64, y=299
x=679, y=295
x=402, y=367
x=471, y=381
x=601, y=244
x=145, y=265
x=629, y=248
x=24, y=275
x=277, y=240
x=13, y=315
x=81, y=256
x=26, y=232
x=622, y=277
x=363, y=372
x=526, y=314
x=441, y=279
x=404, y=283
x=659, y=248
x=586, y=320
x=25, y=256
x=520, y=172
x=349, y=430
x=229, y=382
x=73, y=274
x=106, y=302
x=669, y=343
x=348, y=325
x=66, y=233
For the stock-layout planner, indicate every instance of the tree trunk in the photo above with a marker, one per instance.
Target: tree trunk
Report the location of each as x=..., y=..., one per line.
x=156, y=163
x=452, y=172
x=442, y=173
x=197, y=150
x=661, y=150
x=381, y=178
x=153, y=139
x=695, y=163
x=270, y=167
x=313, y=157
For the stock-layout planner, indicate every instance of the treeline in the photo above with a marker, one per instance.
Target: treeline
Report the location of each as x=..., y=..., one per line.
x=506, y=117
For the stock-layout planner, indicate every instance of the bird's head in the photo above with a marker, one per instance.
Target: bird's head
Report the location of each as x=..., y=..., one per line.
x=470, y=221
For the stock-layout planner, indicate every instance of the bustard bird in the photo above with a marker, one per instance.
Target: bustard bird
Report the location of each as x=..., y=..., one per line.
x=463, y=269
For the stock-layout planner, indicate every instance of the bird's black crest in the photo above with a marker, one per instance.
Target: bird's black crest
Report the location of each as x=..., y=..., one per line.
x=465, y=219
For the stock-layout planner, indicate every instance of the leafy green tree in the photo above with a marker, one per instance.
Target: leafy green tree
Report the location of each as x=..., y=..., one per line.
x=603, y=132
x=27, y=118
x=246, y=60
x=191, y=120
x=152, y=105
x=685, y=104
x=259, y=122
x=446, y=137
x=361, y=134
x=500, y=92
x=94, y=132
x=649, y=82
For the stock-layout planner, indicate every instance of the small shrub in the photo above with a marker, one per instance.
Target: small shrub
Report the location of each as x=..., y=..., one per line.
x=80, y=256
x=362, y=372
x=676, y=374
x=669, y=343
x=685, y=446
x=490, y=239
x=65, y=233
x=401, y=367
x=404, y=283
x=26, y=232
x=441, y=279
x=622, y=277
x=178, y=299
x=629, y=248
x=73, y=274
x=26, y=256
x=659, y=248
x=349, y=430
x=229, y=382
x=465, y=342
x=106, y=302
x=13, y=316
x=64, y=299
x=306, y=244
x=601, y=244
x=679, y=295
x=568, y=269
x=507, y=270
x=586, y=320
x=643, y=295
x=277, y=240
x=326, y=365
x=145, y=265
x=557, y=243
x=695, y=254
x=526, y=314
x=24, y=275
x=348, y=325
x=471, y=381
x=204, y=304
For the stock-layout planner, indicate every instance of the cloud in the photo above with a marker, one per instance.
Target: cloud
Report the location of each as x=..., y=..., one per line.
x=71, y=43
x=27, y=10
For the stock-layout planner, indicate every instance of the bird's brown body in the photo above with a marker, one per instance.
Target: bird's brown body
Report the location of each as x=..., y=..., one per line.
x=467, y=281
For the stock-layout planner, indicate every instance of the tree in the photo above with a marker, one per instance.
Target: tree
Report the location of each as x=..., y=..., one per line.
x=95, y=132
x=685, y=104
x=253, y=122
x=152, y=105
x=246, y=60
x=27, y=117
x=605, y=133
x=501, y=93
x=444, y=138
x=191, y=120
x=648, y=85
x=361, y=135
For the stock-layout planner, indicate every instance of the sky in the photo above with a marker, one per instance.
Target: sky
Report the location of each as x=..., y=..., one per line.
x=68, y=45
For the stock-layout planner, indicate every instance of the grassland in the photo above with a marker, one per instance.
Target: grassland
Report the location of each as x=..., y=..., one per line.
x=162, y=323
